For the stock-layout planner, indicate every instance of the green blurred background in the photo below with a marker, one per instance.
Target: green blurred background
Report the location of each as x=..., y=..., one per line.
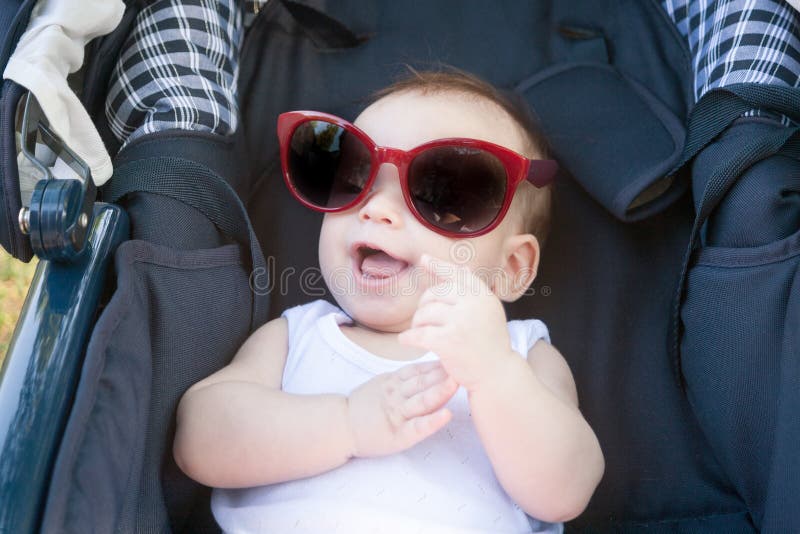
x=15, y=277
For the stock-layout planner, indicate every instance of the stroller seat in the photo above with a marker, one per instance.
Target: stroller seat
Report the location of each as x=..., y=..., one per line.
x=688, y=390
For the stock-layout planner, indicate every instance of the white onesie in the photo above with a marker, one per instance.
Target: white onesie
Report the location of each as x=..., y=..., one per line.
x=444, y=484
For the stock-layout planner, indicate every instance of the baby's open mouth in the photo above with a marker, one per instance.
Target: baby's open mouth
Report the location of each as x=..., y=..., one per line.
x=377, y=263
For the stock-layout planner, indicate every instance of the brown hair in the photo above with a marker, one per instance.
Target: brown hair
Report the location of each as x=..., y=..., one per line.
x=531, y=205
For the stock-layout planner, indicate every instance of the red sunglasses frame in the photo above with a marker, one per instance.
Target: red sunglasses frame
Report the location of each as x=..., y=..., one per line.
x=540, y=173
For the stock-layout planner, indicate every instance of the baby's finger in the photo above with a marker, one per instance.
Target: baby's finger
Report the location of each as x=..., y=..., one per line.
x=420, y=428
x=422, y=381
x=433, y=313
x=443, y=292
x=450, y=277
x=414, y=369
x=422, y=336
x=429, y=400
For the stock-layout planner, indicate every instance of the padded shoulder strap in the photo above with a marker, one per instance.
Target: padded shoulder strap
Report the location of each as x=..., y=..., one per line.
x=200, y=187
x=715, y=111
x=720, y=107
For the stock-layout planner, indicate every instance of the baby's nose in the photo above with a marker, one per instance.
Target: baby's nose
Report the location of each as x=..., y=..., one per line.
x=384, y=203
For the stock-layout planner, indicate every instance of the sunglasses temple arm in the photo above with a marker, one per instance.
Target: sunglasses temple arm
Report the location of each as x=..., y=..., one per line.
x=542, y=172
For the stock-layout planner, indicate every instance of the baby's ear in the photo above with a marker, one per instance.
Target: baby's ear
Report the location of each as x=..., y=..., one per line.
x=519, y=267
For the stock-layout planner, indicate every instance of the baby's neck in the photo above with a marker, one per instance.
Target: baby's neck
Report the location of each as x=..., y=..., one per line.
x=383, y=344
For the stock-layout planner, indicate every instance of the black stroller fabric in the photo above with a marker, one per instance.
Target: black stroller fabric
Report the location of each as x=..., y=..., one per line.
x=739, y=351
x=191, y=261
x=14, y=15
x=685, y=448
x=597, y=269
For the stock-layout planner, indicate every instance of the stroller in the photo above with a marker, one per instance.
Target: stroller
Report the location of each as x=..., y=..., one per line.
x=669, y=282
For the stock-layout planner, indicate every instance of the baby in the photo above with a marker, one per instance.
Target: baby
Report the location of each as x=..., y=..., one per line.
x=416, y=407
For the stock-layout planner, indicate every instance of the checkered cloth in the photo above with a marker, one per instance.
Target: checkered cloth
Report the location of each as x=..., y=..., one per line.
x=737, y=41
x=178, y=69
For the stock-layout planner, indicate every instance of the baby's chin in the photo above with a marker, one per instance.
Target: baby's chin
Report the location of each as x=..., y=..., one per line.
x=378, y=316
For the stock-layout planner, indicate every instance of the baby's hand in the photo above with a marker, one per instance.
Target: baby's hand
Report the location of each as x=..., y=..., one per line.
x=397, y=410
x=462, y=321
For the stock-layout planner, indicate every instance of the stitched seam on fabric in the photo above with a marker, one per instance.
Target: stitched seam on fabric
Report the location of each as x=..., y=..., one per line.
x=209, y=258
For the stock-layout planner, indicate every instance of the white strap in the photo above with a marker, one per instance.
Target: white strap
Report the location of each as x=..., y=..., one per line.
x=53, y=47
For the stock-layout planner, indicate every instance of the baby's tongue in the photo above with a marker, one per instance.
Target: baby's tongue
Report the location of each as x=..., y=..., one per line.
x=381, y=265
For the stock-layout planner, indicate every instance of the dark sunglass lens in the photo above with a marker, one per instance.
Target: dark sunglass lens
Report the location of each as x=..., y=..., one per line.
x=328, y=166
x=457, y=189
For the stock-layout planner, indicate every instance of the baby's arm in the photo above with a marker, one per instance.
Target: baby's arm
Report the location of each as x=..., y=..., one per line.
x=543, y=451
x=237, y=428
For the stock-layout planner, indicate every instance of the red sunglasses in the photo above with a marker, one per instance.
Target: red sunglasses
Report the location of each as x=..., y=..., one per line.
x=456, y=187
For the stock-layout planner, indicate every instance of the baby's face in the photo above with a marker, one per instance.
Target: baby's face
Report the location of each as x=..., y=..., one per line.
x=381, y=290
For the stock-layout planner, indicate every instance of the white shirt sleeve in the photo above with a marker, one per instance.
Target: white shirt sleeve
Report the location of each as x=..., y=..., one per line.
x=525, y=334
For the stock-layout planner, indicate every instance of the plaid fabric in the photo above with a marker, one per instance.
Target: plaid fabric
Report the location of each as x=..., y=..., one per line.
x=178, y=69
x=736, y=41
